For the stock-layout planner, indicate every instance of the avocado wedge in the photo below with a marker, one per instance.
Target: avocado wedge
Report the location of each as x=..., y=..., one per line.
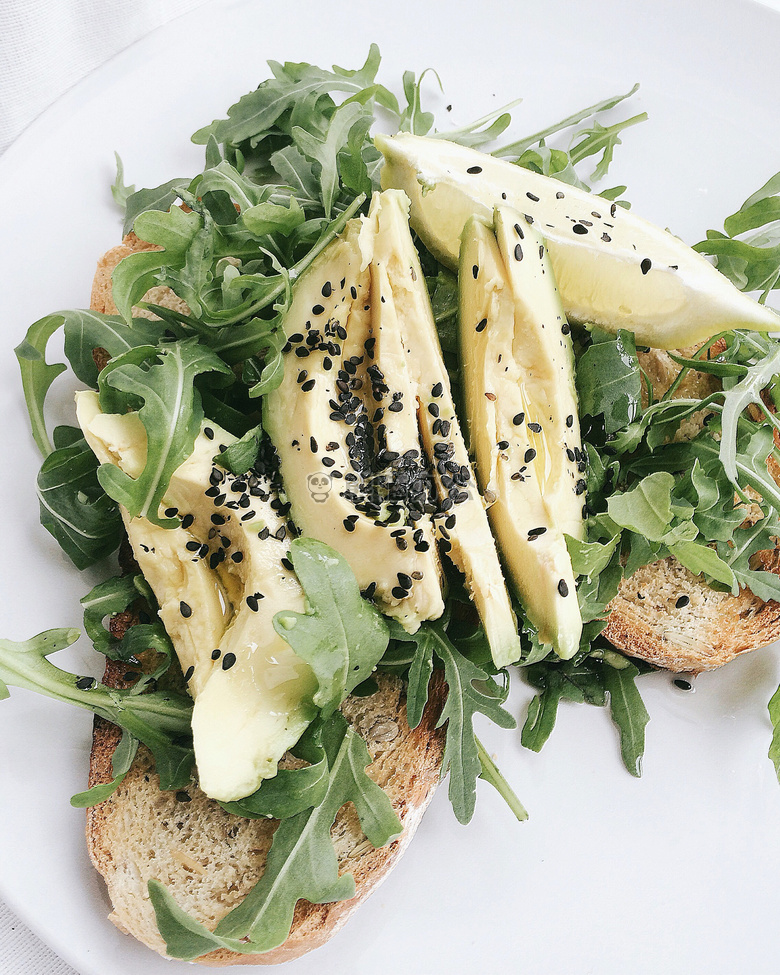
x=219, y=580
x=343, y=422
x=612, y=267
x=518, y=378
x=406, y=333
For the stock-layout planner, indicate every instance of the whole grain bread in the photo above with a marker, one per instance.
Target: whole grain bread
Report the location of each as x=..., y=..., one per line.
x=665, y=614
x=210, y=859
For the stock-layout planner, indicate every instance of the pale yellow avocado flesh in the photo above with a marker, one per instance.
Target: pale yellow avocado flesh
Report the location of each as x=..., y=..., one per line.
x=612, y=267
x=322, y=420
x=254, y=701
x=518, y=379
x=403, y=319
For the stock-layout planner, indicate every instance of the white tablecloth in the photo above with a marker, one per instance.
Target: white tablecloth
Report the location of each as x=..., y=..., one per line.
x=47, y=46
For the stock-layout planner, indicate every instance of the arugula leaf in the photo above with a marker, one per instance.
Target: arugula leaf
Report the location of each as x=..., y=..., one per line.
x=301, y=862
x=159, y=719
x=749, y=252
x=471, y=691
x=38, y=375
x=119, y=190
x=155, y=198
x=608, y=379
x=106, y=599
x=774, y=717
x=161, y=379
x=74, y=509
x=173, y=232
x=121, y=761
x=290, y=791
x=344, y=636
x=646, y=508
x=492, y=774
x=516, y=149
x=256, y=113
x=571, y=681
x=628, y=713
x=242, y=454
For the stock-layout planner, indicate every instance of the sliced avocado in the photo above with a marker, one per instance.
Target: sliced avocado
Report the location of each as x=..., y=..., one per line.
x=518, y=378
x=406, y=332
x=360, y=490
x=612, y=267
x=219, y=580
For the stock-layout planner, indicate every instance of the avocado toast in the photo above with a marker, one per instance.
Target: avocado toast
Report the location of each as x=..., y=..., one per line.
x=445, y=655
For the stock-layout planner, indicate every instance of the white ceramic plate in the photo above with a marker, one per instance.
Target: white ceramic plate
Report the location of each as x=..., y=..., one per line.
x=676, y=872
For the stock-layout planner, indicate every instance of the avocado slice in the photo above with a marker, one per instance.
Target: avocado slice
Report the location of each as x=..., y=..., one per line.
x=404, y=326
x=518, y=377
x=612, y=267
x=344, y=425
x=219, y=579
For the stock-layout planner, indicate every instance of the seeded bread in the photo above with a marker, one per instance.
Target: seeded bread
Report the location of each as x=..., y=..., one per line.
x=210, y=860
x=666, y=615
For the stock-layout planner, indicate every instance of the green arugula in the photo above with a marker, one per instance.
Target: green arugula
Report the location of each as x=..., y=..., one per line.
x=74, y=509
x=343, y=637
x=158, y=719
x=471, y=691
x=301, y=862
x=161, y=381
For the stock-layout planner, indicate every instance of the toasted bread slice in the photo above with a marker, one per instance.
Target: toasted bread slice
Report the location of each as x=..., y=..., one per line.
x=210, y=859
x=708, y=628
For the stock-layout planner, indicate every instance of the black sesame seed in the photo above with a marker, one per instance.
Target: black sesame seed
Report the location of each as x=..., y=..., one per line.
x=474, y=170
x=308, y=386
x=518, y=252
x=682, y=602
x=399, y=593
x=433, y=409
x=171, y=512
x=563, y=589
x=569, y=421
x=313, y=445
x=317, y=310
x=349, y=525
x=475, y=271
x=606, y=238
x=187, y=520
x=183, y=796
x=579, y=229
x=208, y=433
x=86, y=683
x=396, y=406
x=437, y=390
x=216, y=654
x=192, y=546
x=502, y=444
x=684, y=685
x=287, y=564
x=188, y=674
x=228, y=660
x=404, y=580
x=185, y=609
x=529, y=455
x=535, y=427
